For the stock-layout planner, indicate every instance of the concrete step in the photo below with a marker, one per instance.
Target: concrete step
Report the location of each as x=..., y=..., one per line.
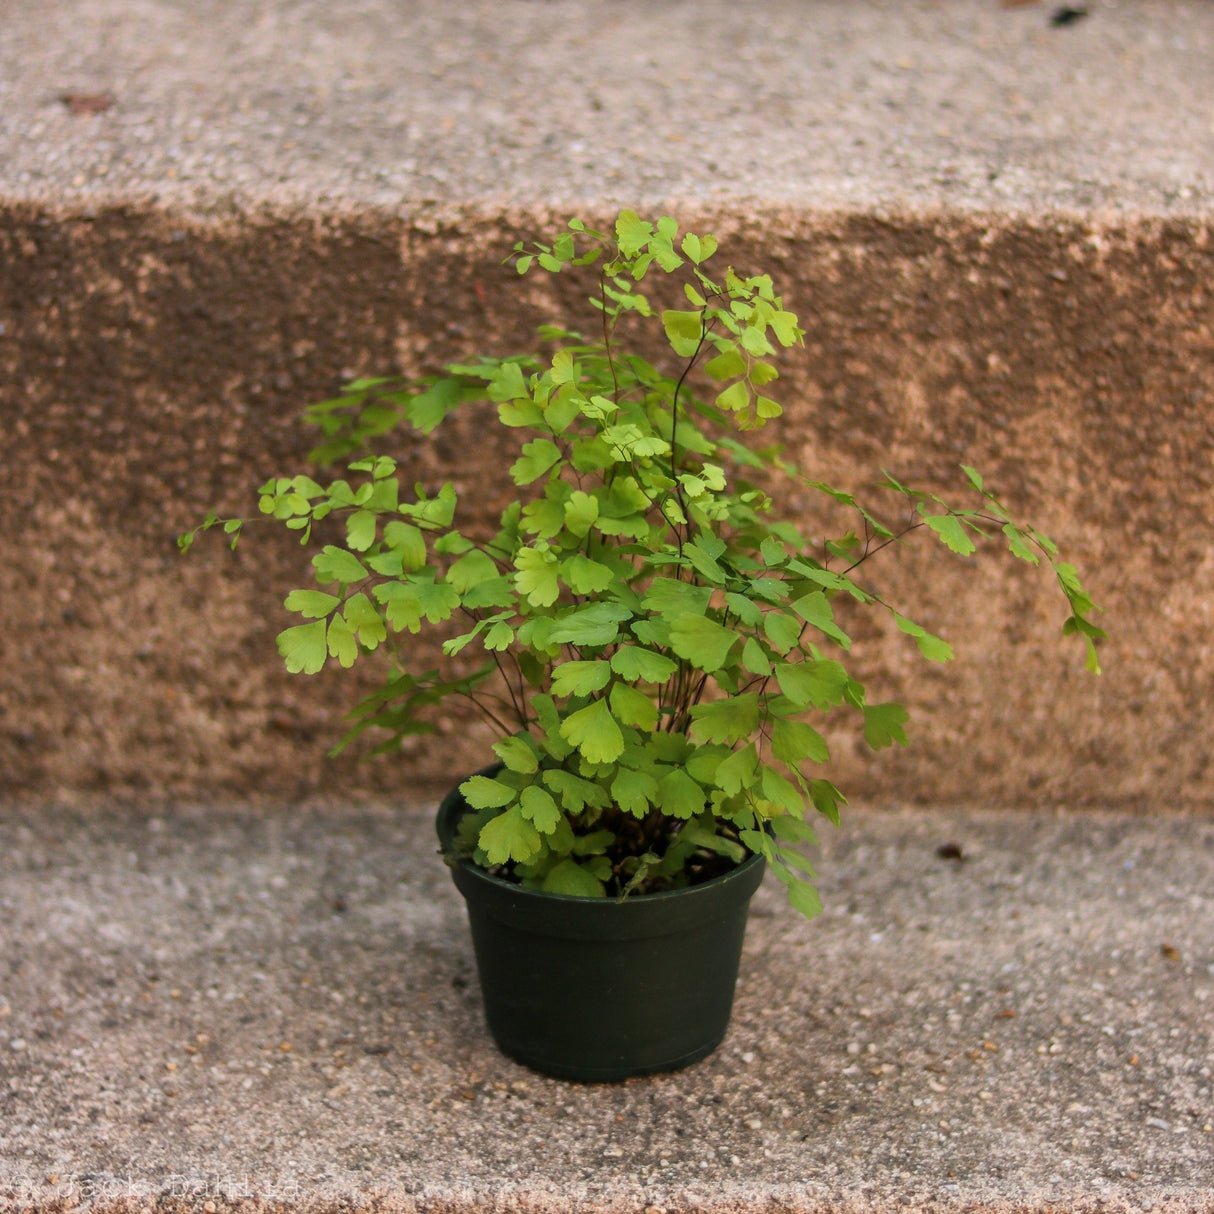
x=234, y=104
x=216, y=1010
x=996, y=229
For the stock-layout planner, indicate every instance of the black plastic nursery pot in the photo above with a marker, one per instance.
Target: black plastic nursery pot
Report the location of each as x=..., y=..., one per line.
x=599, y=989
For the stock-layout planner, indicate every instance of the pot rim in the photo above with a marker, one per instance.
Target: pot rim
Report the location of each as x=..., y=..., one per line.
x=453, y=807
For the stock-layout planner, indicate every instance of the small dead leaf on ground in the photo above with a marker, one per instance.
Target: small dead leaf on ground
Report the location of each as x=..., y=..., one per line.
x=1169, y=952
x=85, y=105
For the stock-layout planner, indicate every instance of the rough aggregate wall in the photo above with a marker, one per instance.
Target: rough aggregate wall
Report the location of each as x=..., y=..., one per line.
x=152, y=366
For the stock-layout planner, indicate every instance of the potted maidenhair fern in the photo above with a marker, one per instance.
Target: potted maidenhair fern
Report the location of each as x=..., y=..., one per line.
x=654, y=645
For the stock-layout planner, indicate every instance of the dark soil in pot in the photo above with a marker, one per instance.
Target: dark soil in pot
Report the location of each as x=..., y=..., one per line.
x=599, y=989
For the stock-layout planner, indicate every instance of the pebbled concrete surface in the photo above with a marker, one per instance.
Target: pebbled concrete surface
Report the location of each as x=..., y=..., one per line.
x=961, y=104
x=279, y=1011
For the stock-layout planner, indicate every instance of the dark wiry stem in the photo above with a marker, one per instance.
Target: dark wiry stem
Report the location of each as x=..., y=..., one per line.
x=674, y=419
x=488, y=712
x=893, y=539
